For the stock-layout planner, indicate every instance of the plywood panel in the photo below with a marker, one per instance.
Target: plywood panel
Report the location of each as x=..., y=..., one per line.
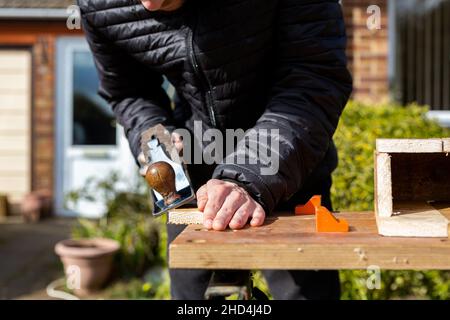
x=15, y=112
x=290, y=242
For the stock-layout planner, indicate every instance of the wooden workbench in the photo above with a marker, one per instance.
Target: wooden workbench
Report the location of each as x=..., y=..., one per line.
x=290, y=242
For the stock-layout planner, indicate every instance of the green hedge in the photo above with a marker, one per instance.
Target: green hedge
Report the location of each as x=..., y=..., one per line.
x=353, y=183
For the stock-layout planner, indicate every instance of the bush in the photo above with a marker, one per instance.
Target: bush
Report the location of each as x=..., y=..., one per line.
x=353, y=183
x=154, y=285
x=127, y=220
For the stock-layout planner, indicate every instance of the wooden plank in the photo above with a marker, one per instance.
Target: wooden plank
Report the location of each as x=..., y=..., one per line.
x=446, y=145
x=290, y=242
x=383, y=185
x=185, y=216
x=409, y=145
x=413, y=219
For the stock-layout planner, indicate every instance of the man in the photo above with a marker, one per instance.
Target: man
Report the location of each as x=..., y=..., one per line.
x=274, y=65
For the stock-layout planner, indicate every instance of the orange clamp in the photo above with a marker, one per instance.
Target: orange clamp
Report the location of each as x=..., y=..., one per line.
x=325, y=220
x=309, y=207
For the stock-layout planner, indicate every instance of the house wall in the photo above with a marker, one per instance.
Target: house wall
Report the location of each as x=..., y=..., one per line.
x=15, y=116
x=367, y=50
x=39, y=38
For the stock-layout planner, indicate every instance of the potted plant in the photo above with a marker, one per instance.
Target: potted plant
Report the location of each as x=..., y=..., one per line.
x=127, y=221
x=87, y=262
x=36, y=205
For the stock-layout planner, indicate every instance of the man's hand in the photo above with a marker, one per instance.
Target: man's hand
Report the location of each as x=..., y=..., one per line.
x=226, y=204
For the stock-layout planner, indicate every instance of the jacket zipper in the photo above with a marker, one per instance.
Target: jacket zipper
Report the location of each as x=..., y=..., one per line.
x=202, y=77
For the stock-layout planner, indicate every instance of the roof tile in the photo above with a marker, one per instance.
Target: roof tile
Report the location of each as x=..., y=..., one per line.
x=36, y=3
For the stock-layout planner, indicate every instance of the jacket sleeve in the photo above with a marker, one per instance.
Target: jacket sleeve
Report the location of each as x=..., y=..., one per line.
x=134, y=92
x=310, y=90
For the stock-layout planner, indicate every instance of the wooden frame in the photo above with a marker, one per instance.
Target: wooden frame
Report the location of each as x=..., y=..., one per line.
x=411, y=175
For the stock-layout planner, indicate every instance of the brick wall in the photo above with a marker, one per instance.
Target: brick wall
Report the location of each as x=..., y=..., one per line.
x=367, y=51
x=43, y=113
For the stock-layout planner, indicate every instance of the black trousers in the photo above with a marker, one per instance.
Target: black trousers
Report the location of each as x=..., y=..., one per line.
x=187, y=284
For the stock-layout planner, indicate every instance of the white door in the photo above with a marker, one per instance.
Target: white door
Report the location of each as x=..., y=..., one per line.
x=89, y=143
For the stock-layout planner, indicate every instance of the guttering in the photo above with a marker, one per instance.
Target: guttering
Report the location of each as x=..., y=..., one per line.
x=33, y=14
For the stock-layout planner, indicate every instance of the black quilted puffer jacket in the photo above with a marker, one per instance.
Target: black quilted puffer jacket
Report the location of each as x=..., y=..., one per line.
x=263, y=64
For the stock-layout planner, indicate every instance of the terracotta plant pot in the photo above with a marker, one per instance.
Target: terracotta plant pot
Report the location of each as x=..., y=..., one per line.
x=87, y=262
x=36, y=206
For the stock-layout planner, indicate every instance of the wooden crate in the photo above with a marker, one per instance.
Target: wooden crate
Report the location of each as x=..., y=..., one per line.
x=411, y=177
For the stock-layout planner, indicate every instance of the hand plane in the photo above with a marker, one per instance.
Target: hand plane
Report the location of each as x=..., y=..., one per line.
x=164, y=171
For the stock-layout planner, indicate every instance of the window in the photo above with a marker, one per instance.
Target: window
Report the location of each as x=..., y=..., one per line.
x=93, y=120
